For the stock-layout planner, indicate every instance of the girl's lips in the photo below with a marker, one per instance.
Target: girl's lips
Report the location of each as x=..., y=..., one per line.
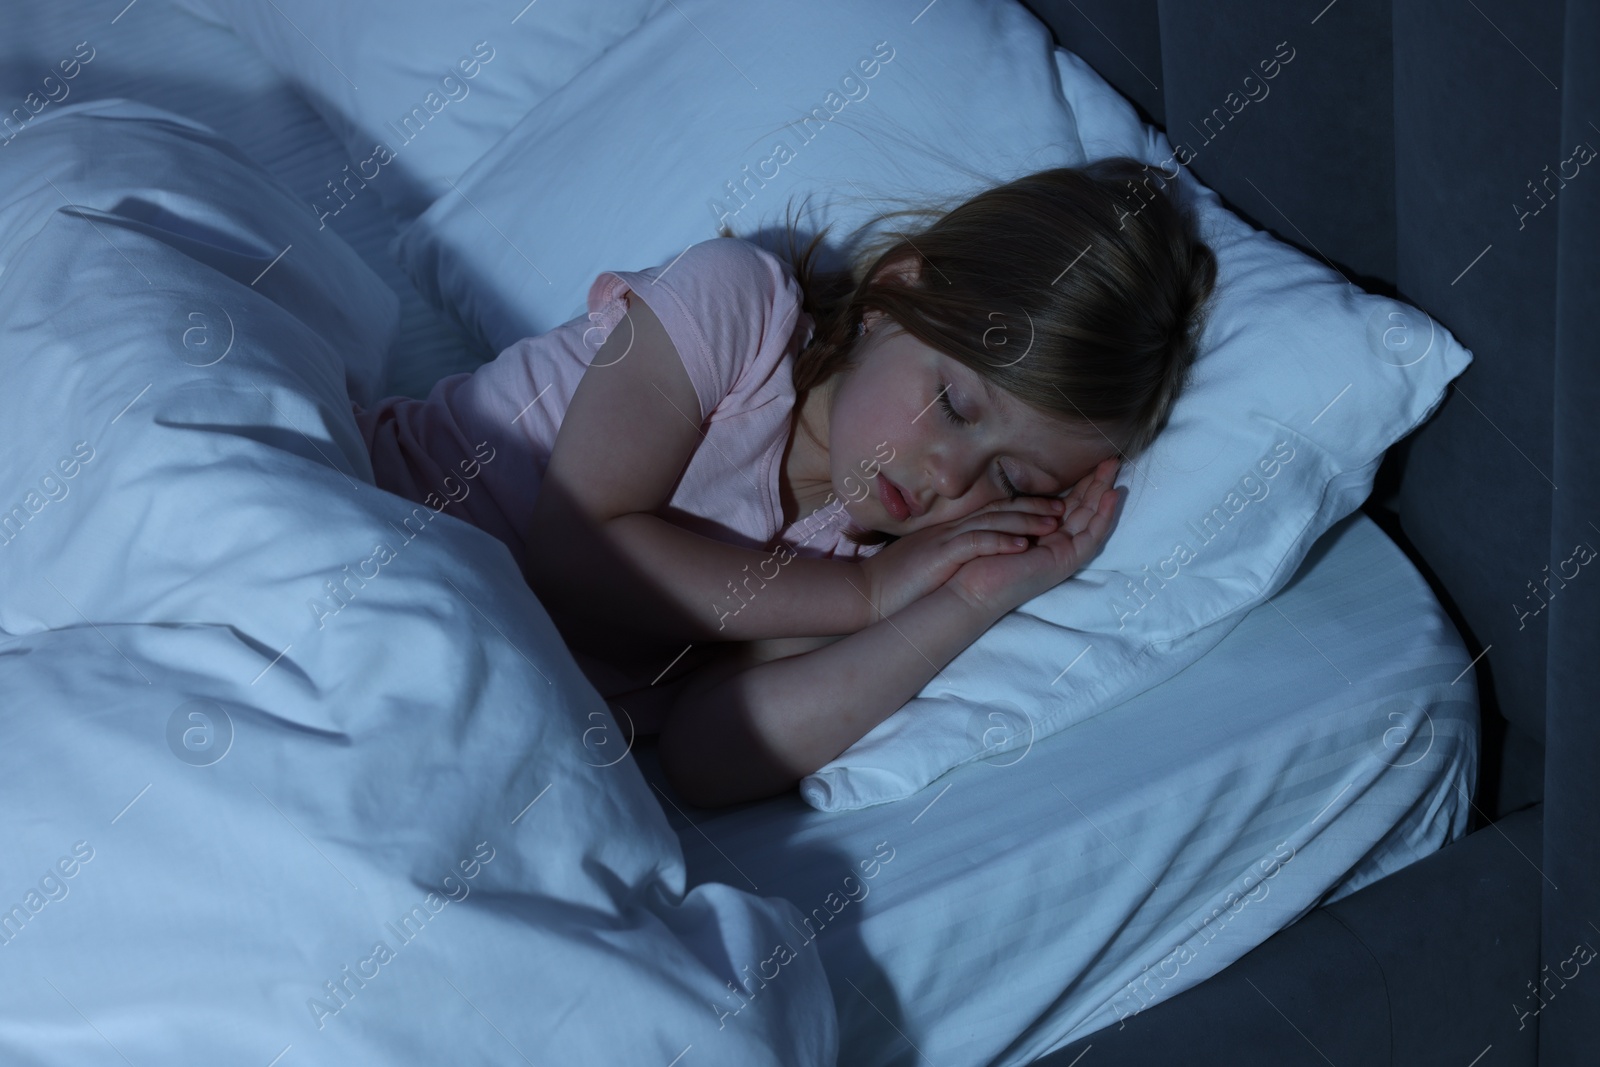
x=894, y=502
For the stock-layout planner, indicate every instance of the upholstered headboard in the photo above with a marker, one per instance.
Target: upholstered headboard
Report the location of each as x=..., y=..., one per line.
x=1438, y=151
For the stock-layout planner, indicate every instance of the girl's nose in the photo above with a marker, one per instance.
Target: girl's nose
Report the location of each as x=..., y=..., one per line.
x=953, y=477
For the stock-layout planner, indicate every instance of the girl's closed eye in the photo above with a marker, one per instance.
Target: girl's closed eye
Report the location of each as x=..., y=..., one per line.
x=953, y=416
x=949, y=409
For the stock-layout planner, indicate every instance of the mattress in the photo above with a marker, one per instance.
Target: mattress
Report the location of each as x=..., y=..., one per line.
x=1027, y=901
x=1024, y=902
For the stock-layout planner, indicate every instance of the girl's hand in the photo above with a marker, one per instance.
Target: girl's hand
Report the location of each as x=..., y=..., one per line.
x=918, y=563
x=997, y=584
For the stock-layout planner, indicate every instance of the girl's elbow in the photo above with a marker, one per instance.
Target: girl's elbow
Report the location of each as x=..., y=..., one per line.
x=713, y=765
x=536, y=569
x=680, y=766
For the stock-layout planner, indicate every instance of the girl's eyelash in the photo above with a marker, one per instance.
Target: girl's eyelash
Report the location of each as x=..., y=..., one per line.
x=1013, y=490
x=950, y=413
x=949, y=410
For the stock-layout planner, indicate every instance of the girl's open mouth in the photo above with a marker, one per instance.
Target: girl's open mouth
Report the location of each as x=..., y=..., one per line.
x=893, y=501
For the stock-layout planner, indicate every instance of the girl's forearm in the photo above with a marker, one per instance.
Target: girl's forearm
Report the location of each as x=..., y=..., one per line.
x=658, y=579
x=756, y=733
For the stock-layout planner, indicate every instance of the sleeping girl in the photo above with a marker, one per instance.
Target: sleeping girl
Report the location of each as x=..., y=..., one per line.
x=765, y=505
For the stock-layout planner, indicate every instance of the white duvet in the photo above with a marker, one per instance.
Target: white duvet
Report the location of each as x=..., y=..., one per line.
x=294, y=772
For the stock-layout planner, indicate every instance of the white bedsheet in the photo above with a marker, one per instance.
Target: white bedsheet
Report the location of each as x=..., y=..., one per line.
x=1330, y=739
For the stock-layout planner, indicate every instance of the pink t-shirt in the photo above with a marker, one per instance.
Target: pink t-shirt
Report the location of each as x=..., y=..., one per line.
x=480, y=441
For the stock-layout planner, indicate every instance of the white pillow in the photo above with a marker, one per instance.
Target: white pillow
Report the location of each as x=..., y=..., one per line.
x=632, y=161
x=1302, y=382
x=436, y=84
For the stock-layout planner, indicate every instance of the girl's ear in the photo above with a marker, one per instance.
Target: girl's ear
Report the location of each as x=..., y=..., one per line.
x=906, y=269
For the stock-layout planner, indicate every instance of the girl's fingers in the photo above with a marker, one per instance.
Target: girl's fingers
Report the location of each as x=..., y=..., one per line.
x=1087, y=529
x=1077, y=522
x=1083, y=489
x=1104, y=474
x=1028, y=505
x=1089, y=493
x=1099, y=524
x=1015, y=522
x=990, y=543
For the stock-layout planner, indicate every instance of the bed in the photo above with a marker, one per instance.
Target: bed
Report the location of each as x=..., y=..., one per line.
x=1057, y=887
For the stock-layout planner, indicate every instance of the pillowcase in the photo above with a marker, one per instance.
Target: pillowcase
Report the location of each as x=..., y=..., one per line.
x=418, y=90
x=673, y=133
x=1301, y=383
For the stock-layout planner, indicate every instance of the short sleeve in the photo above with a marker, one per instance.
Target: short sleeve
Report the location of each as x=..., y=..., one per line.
x=726, y=304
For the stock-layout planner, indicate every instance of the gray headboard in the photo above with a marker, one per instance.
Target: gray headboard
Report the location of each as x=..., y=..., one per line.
x=1429, y=150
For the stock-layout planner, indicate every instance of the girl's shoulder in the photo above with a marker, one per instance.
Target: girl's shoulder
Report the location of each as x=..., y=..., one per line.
x=717, y=282
x=730, y=308
x=738, y=259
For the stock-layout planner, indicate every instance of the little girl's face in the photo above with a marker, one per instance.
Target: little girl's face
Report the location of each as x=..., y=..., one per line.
x=888, y=418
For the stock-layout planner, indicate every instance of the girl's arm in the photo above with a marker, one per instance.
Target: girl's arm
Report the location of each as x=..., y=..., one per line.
x=643, y=709
x=599, y=556
x=642, y=573
x=740, y=732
